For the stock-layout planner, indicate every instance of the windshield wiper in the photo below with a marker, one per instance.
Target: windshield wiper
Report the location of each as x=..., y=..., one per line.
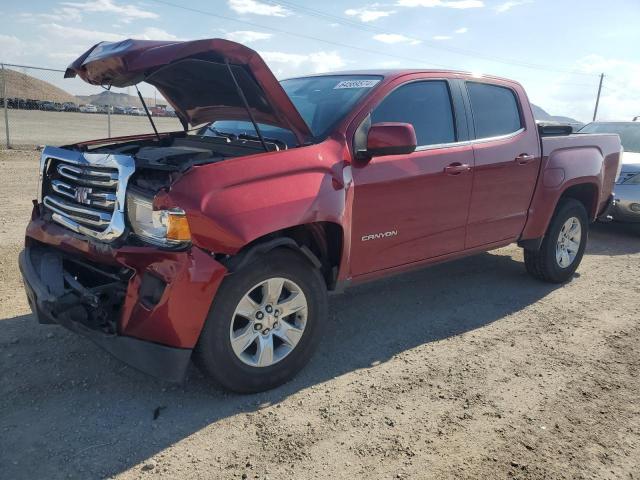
x=279, y=143
x=247, y=136
x=218, y=133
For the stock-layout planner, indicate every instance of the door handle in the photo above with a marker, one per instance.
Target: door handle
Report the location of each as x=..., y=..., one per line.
x=524, y=158
x=457, y=168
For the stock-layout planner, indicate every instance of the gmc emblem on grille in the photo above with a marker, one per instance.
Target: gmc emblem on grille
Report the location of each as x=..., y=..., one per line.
x=82, y=195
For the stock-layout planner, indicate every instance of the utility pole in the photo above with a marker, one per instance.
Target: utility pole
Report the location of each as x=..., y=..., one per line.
x=4, y=104
x=595, y=111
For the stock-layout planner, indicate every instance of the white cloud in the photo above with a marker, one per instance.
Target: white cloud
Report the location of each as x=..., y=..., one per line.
x=73, y=34
x=390, y=63
x=574, y=96
x=153, y=33
x=506, y=6
x=247, y=36
x=442, y=37
x=258, y=8
x=368, y=14
x=63, y=14
x=395, y=38
x=61, y=58
x=459, y=4
x=326, y=61
x=12, y=48
x=461, y=30
x=286, y=64
x=127, y=13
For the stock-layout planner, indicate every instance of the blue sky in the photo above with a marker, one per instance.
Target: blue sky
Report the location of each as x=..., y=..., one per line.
x=556, y=48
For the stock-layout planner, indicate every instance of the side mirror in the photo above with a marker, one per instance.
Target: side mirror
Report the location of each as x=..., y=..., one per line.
x=390, y=138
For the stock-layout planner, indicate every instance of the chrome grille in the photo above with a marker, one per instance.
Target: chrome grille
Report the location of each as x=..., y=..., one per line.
x=85, y=192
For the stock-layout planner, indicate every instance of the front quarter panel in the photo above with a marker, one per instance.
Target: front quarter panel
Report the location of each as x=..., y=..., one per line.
x=234, y=202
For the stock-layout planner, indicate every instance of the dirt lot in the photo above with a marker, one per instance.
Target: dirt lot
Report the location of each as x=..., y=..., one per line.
x=35, y=127
x=465, y=370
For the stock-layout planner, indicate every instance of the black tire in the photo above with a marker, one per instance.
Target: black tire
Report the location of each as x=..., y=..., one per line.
x=542, y=264
x=213, y=353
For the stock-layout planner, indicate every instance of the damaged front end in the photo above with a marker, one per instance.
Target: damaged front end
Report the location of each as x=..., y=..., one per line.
x=102, y=261
x=68, y=286
x=88, y=299
x=108, y=253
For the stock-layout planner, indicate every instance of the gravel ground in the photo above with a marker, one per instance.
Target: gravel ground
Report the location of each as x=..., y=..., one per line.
x=35, y=127
x=465, y=370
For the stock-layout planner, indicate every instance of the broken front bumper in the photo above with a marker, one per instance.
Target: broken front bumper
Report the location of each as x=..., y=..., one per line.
x=143, y=305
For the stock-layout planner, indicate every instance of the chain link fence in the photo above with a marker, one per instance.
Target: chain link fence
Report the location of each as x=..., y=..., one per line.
x=41, y=107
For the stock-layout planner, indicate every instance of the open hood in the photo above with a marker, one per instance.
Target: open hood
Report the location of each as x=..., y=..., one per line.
x=194, y=78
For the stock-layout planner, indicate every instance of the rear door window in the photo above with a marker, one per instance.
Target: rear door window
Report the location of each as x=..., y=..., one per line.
x=426, y=105
x=494, y=108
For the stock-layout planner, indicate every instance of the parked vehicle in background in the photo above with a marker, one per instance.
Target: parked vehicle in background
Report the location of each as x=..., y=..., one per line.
x=158, y=111
x=70, y=107
x=22, y=103
x=119, y=110
x=221, y=243
x=627, y=189
x=89, y=108
x=51, y=106
x=137, y=111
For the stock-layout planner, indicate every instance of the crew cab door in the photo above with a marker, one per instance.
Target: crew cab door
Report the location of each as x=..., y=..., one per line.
x=507, y=160
x=408, y=208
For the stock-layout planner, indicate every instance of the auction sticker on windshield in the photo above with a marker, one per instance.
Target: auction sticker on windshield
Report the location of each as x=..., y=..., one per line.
x=356, y=84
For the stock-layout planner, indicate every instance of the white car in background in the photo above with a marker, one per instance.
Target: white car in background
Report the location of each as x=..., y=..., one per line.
x=627, y=188
x=88, y=108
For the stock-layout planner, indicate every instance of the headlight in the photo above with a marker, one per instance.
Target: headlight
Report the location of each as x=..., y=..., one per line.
x=168, y=228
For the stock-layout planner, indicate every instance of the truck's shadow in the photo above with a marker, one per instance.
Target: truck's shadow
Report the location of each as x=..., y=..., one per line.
x=84, y=414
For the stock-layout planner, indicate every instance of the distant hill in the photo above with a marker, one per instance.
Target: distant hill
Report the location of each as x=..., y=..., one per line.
x=540, y=114
x=117, y=99
x=20, y=85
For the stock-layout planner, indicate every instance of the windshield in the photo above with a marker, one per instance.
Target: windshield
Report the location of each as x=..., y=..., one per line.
x=324, y=100
x=629, y=133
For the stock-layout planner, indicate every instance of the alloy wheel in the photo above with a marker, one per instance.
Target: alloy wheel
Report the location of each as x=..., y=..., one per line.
x=568, y=242
x=268, y=322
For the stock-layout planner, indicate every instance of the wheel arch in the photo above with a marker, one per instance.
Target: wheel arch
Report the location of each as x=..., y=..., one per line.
x=321, y=243
x=586, y=193
x=584, y=190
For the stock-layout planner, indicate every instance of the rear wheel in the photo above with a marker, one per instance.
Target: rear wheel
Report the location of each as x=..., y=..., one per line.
x=563, y=245
x=264, y=324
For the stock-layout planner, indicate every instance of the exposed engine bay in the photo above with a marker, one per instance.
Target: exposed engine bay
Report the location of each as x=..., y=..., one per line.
x=159, y=160
x=180, y=151
x=105, y=189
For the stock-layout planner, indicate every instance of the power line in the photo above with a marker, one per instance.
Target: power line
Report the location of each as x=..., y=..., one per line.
x=300, y=35
x=428, y=43
x=330, y=42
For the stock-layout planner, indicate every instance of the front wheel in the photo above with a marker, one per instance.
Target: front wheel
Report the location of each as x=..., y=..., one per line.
x=563, y=245
x=264, y=324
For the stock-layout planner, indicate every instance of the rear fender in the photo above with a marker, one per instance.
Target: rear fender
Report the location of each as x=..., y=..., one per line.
x=562, y=170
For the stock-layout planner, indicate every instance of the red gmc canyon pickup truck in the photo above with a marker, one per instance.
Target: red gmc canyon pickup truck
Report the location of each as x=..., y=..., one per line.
x=220, y=243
